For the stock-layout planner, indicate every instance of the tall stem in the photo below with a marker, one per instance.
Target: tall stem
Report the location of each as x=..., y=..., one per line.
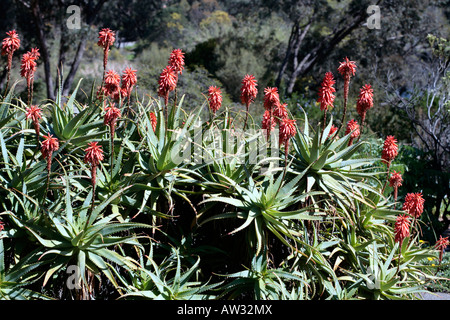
x=93, y=178
x=8, y=68
x=111, y=131
x=399, y=256
x=346, y=86
x=387, y=178
x=246, y=114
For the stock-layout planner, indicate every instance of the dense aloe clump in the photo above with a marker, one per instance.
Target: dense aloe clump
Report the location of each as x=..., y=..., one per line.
x=139, y=199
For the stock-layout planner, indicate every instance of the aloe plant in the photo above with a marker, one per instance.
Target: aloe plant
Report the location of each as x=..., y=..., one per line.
x=156, y=281
x=264, y=283
x=80, y=238
x=15, y=279
x=261, y=205
x=331, y=167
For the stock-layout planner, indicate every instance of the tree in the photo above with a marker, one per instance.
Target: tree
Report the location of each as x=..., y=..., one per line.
x=303, y=54
x=54, y=13
x=427, y=108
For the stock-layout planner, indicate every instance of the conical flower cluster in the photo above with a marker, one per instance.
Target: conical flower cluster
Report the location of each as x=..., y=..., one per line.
x=34, y=113
x=395, y=181
x=49, y=145
x=365, y=101
x=353, y=127
x=401, y=228
x=176, y=61
x=326, y=96
x=390, y=150
x=414, y=204
x=214, y=99
x=167, y=82
x=248, y=90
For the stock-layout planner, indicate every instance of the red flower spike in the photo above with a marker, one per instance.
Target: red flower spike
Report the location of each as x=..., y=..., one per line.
x=214, y=98
x=167, y=82
x=268, y=123
x=280, y=112
x=401, y=228
x=390, y=150
x=365, y=101
x=34, y=113
x=347, y=68
x=326, y=96
x=106, y=38
x=10, y=43
x=28, y=68
x=414, y=204
x=129, y=79
x=28, y=65
x=176, y=61
x=248, y=89
x=287, y=130
x=112, y=82
x=94, y=154
x=441, y=245
x=395, y=181
x=48, y=146
x=333, y=129
x=271, y=98
x=2, y=226
x=153, y=120
x=35, y=53
x=111, y=115
x=353, y=127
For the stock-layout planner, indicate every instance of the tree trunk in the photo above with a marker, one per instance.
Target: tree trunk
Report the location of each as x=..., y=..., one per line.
x=295, y=40
x=43, y=48
x=322, y=50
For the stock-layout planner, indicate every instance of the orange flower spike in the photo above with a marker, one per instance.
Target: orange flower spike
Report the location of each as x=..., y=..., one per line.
x=271, y=98
x=326, y=96
x=176, y=61
x=106, y=38
x=34, y=113
x=390, y=150
x=153, y=120
x=214, y=99
x=248, y=89
x=48, y=146
x=414, y=204
x=441, y=245
x=395, y=181
x=401, y=228
x=280, y=112
x=353, y=127
x=167, y=82
x=287, y=130
x=365, y=101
